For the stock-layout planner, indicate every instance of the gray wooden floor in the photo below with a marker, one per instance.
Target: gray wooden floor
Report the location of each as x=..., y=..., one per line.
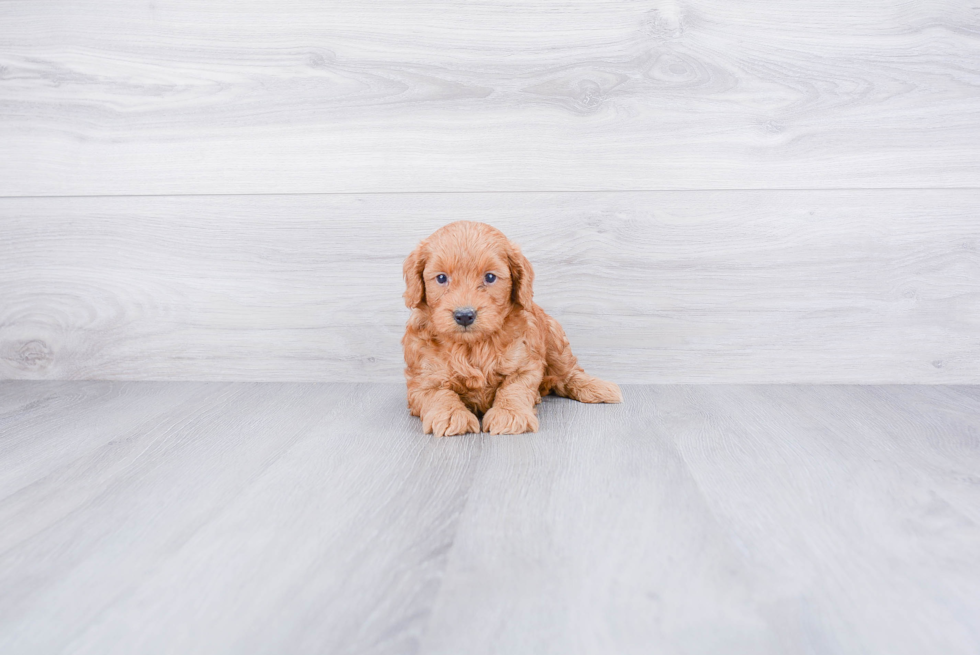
x=162, y=517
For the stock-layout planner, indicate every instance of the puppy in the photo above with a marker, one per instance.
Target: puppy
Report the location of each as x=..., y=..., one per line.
x=476, y=344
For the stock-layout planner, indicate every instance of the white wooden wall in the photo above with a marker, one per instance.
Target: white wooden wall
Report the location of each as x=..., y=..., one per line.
x=709, y=190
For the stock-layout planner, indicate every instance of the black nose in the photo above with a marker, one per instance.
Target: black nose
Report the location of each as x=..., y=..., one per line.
x=464, y=316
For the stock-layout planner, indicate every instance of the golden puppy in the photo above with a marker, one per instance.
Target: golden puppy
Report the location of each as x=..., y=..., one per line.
x=477, y=344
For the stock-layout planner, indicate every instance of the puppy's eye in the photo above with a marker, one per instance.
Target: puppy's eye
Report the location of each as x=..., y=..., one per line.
x=441, y=278
x=489, y=278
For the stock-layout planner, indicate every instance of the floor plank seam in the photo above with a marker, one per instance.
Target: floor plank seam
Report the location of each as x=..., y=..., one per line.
x=450, y=549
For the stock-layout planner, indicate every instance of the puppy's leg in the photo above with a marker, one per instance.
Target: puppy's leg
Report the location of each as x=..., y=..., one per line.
x=566, y=378
x=443, y=413
x=513, y=405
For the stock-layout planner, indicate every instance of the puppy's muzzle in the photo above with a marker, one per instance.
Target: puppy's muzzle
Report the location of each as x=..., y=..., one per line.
x=464, y=316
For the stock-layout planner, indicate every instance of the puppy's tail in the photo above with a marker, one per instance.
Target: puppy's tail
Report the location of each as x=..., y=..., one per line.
x=585, y=388
x=566, y=378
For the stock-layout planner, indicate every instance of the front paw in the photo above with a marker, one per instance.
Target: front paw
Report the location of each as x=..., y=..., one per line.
x=498, y=420
x=449, y=422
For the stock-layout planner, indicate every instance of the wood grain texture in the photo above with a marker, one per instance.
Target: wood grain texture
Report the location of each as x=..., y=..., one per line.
x=779, y=519
x=175, y=97
x=752, y=286
x=258, y=518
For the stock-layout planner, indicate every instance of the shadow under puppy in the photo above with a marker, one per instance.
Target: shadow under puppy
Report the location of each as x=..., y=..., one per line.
x=477, y=344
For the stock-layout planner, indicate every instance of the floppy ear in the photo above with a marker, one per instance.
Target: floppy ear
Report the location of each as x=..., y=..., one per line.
x=521, y=277
x=414, y=284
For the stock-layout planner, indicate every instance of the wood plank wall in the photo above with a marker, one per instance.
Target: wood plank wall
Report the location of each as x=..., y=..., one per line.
x=709, y=191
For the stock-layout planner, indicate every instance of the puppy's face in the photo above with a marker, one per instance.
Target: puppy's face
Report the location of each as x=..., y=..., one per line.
x=468, y=277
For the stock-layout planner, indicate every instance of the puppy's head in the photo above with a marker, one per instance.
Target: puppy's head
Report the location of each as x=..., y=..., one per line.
x=468, y=277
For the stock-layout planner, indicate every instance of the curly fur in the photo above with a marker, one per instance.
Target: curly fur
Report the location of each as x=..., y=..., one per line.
x=501, y=365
